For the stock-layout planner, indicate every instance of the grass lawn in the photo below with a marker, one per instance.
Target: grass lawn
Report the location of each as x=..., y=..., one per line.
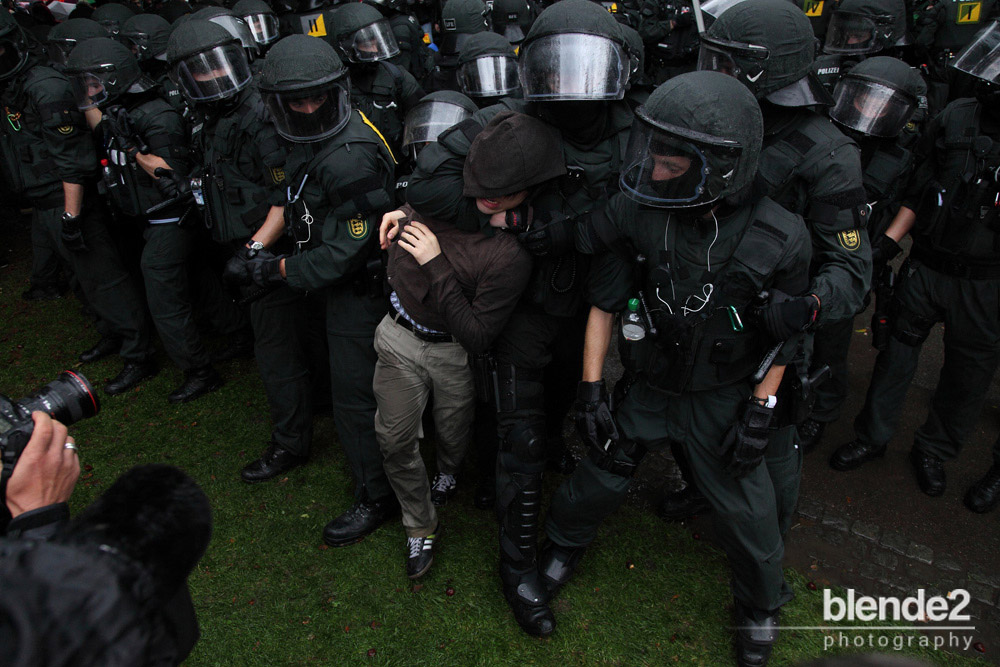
x=268, y=592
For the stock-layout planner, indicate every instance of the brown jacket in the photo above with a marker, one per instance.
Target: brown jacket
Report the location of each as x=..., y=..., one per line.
x=469, y=290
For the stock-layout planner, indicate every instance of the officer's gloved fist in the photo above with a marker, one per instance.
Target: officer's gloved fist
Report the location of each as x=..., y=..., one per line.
x=238, y=271
x=550, y=235
x=171, y=184
x=746, y=440
x=266, y=271
x=72, y=235
x=518, y=219
x=783, y=316
x=884, y=249
x=594, y=421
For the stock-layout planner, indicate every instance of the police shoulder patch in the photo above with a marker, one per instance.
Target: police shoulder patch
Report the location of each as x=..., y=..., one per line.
x=357, y=227
x=277, y=175
x=65, y=129
x=850, y=239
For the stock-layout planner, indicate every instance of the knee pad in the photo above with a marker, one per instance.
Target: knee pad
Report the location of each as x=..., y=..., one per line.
x=525, y=442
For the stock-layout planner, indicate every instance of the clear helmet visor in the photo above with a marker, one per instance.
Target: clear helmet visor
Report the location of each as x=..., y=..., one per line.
x=851, y=33
x=745, y=62
x=58, y=51
x=213, y=75
x=238, y=28
x=573, y=66
x=310, y=114
x=90, y=89
x=12, y=54
x=112, y=26
x=427, y=120
x=669, y=167
x=372, y=43
x=715, y=8
x=139, y=44
x=489, y=76
x=263, y=27
x=981, y=57
x=871, y=108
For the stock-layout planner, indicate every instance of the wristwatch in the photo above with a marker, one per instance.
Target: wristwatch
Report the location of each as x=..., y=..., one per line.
x=69, y=217
x=253, y=248
x=768, y=402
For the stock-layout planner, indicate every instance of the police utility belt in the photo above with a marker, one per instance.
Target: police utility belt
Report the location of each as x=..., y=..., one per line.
x=953, y=266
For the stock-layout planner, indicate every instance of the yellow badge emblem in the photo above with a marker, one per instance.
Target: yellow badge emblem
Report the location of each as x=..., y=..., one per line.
x=813, y=8
x=850, y=239
x=968, y=12
x=357, y=227
x=277, y=175
x=65, y=129
x=314, y=25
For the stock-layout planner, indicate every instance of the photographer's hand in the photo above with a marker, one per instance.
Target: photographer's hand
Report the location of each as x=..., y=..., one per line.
x=47, y=470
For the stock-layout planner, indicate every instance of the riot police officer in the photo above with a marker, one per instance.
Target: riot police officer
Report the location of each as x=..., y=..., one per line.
x=459, y=20
x=860, y=28
x=139, y=133
x=573, y=68
x=147, y=35
x=66, y=35
x=487, y=69
x=512, y=19
x=952, y=275
x=48, y=157
x=810, y=168
x=340, y=179
x=382, y=91
x=262, y=21
x=687, y=204
x=434, y=114
x=112, y=16
x=414, y=56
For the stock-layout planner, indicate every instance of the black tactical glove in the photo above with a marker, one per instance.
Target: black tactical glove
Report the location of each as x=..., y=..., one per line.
x=548, y=236
x=72, y=235
x=783, y=316
x=518, y=218
x=238, y=271
x=265, y=271
x=884, y=249
x=171, y=184
x=746, y=440
x=594, y=421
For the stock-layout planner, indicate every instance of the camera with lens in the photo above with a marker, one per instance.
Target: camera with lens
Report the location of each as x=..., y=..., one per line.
x=68, y=399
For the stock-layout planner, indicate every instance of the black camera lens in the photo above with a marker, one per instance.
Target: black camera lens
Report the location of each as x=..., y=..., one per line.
x=69, y=398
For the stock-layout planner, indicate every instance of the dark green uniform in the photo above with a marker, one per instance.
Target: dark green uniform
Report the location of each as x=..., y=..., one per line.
x=690, y=394
x=414, y=56
x=45, y=143
x=952, y=276
x=339, y=188
x=384, y=93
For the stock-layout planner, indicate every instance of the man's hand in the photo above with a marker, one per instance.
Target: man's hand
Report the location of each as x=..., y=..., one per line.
x=71, y=234
x=420, y=242
x=783, y=316
x=389, y=228
x=265, y=271
x=594, y=421
x=171, y=184
x=238, y=271
x=47, y=470
x=746, y=441
x=553, y=237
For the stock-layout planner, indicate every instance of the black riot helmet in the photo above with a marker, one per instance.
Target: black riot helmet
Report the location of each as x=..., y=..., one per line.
x=981, y=57
x=512, y=19
x=393, y=5
x=859, y=27
x=147, y=35
x=112, y=16
x=361, y=34
x=877, y=97
x=233, y=24
x=487, y=66
x=459, y=19
x=261, y=19
x=13, y=46
x=102, y=70
x=696, y=141
x=206, y=62
x=63, y=37
x=306, y=89
x=769, y=46
x=434, y=114
x=574, y=51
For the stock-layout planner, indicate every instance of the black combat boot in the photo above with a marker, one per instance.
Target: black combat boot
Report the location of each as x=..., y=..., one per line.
x=197, y=383
x=274, y=461
x=756, y=633
x=131, y=375
x=930, y=472
x=557, y=564
x=855, y=454
x=105, y=347
x=984, y=495
x=359, y=521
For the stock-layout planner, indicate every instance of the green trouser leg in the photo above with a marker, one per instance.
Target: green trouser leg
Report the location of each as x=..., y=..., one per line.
x=44, y=259
x=281, y=348
x=166, y=271
x=971, y=346
x=831, y=343
x=746, y=514
x=351, y=320
x=784, y=466
x=107, y=286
